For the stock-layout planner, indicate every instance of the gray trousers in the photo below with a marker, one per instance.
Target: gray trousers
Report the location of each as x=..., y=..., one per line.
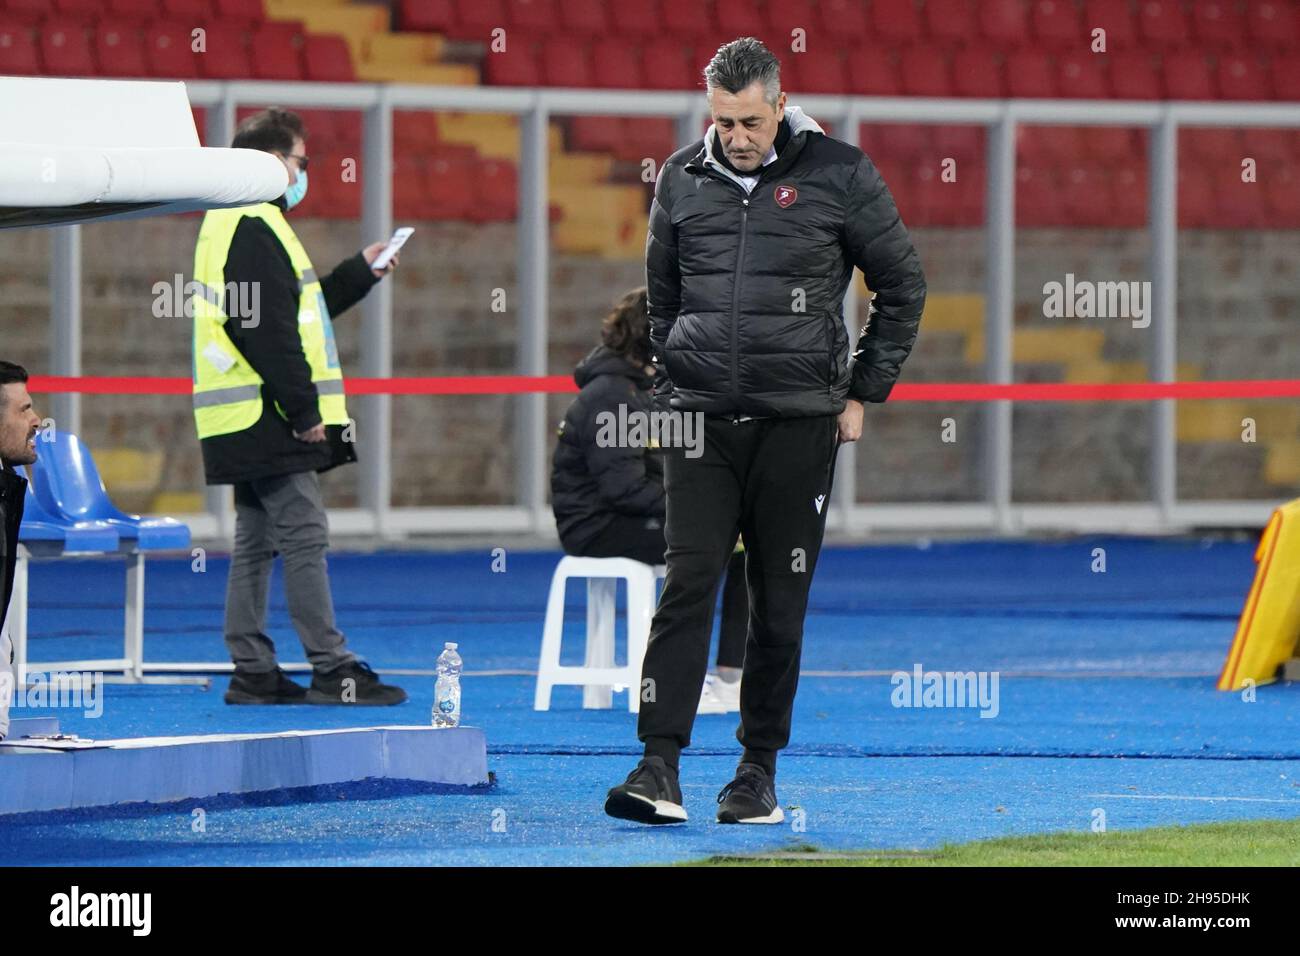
x=286, y=516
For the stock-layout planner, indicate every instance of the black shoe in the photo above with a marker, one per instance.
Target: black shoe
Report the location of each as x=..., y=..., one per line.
x=750, y=798
x=352, y=683
x=268, y=687
x=650, y=795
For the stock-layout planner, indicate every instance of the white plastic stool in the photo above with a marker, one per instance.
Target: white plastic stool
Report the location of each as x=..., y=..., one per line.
x=598, y=675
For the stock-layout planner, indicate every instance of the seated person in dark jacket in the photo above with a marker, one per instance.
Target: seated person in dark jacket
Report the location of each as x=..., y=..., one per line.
x=608, y=498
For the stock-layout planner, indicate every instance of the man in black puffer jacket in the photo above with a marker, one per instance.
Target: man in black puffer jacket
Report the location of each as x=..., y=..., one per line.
x=18, y=424
x=754, y=235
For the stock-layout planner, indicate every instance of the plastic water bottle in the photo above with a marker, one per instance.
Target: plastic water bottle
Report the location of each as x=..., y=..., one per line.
x=446, y=692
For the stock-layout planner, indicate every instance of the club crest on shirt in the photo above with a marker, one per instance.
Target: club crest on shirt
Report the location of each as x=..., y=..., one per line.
x=785, y=196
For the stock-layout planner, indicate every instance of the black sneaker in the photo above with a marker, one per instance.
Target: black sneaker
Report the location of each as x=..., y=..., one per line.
x=650, y=795
x=750, y=798
x=268, y=687
x=333, y=687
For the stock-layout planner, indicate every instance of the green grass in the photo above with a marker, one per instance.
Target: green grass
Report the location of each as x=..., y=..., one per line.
x=1242, y=843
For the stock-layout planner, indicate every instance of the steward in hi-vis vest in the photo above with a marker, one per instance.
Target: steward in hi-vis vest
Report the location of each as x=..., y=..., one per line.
x=266, y=364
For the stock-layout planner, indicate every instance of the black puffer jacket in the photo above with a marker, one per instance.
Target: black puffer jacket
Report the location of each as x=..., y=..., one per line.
x=746, y=289
x=591, y=484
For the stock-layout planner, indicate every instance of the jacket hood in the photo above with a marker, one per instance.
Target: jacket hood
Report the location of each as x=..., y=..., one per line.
x=604, y=361
x=800, y=122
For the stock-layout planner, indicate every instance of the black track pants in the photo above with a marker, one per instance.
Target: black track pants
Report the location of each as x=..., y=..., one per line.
x=770, y=480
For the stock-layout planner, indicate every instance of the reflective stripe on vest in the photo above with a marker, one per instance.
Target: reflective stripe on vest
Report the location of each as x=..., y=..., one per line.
x=227, y=390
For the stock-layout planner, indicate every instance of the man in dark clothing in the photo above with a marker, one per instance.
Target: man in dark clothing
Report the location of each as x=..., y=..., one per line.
x=18, y=424
x=607, y=489
x=269, y=408
x=754, y=235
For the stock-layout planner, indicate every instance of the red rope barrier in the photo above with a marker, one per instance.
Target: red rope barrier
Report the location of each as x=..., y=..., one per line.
x=557, y=384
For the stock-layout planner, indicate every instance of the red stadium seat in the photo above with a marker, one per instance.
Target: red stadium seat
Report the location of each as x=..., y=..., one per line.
x=517, y=65
x=326, y=58
x=1217, y=23
x=346, y=129
x=1083, y=75
x=886, y=141
x=79, y=9
x=415, y=132
x=616, y=64
x=846, y=19
x=1134, y=76
x=1050, y=145
x=1111, y=145
x=1187, y=76
x=1273, y=23
x=133, y=10
x=168, y=51
x=668, y=67
x=875, y=75
x=1161, y=23
x=1039, y=199
x=823, y=73
x=1195, y=198
x=646, y=137
x=186, y=11
x=784, y=16
x=1243, y=77
x=925, y=71
x=449, y=186
x=1212, y=146
x=276, y=50
x=410, y=199
x=476, y=19
x=596, y=134
x=1004, y=21
x=247, y=12
x=1128, y=197
x=1086, y=196
x=1286, y=78
x=585, y=17
x=1237, y=204
x=565, y=62
x=1057, y=24
x=1030, y=73
x=1272, y=147
x=1116, y=18
x=951, y=22
x=65, y=48
x=640, y=19
x=738, y=18
x=19, y=54
x=1282, y=199
x=225, y=53
x=496, y=191
x=425, y=16
x=533, y=16
x=962, y=143
x=119, y=50
x=977, y=71
x=687, y=18
x=894, y=21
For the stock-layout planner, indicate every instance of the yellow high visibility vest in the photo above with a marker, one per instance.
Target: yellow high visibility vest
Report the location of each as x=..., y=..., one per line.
x=227, y=390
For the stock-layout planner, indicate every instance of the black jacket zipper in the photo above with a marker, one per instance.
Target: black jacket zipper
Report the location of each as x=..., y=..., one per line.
x=735, y=285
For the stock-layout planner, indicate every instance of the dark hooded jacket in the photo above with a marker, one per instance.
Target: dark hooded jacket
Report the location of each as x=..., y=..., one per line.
x=591, y=484
x=746, y=289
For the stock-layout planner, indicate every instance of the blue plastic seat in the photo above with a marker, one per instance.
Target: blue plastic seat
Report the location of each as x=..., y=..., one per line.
x=68, y=483
x=41, y=527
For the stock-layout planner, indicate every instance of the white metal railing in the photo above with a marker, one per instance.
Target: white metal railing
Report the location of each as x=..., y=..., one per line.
x=530, y=513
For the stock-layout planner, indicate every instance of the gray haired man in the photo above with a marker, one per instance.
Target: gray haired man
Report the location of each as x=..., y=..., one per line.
x=754, y=235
